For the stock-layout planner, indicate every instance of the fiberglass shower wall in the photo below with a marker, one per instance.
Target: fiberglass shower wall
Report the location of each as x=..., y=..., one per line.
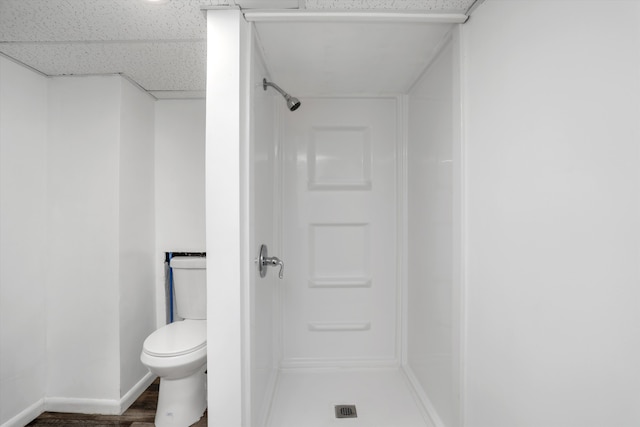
x=356, y=194
x=433, y=223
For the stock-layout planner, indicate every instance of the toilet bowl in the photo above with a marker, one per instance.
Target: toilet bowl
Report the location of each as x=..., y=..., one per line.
x=177, y=353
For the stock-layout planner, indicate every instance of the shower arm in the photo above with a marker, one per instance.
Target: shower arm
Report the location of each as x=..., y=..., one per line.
x=265, y=84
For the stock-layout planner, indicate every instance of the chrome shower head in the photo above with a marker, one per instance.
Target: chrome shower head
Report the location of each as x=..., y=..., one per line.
x=292, y=102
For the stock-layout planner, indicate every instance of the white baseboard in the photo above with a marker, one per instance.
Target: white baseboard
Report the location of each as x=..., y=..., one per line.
x=427, y=408
x=82, y=406
x=26, y=416
x=135, y=391
x=99, y=406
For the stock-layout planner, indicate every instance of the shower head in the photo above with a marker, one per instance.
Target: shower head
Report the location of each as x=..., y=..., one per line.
x=292, y=102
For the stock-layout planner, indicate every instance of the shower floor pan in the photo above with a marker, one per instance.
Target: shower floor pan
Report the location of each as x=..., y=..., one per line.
x=382, y=399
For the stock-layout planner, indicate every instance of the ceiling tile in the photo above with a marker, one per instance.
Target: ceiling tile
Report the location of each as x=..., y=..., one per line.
x=91, y=20
x=154, y=66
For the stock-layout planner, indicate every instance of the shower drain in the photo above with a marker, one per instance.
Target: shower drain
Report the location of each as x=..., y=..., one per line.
x=346, y=411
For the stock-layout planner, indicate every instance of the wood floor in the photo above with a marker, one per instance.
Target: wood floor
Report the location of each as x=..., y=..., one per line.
x=140, y=414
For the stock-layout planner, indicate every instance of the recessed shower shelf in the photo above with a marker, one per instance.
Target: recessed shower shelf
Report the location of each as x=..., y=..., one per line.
x=340, y=283
x=339, y=326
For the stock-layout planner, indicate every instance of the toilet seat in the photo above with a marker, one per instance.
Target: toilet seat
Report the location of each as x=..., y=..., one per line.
x=177, y=339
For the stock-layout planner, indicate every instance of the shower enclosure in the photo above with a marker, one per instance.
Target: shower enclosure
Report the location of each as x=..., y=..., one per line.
x=358, y=192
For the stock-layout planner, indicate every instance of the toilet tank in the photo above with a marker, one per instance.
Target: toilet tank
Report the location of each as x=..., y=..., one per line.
x=190, y=286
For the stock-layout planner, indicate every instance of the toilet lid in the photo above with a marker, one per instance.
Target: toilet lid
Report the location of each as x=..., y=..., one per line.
x=177, y=338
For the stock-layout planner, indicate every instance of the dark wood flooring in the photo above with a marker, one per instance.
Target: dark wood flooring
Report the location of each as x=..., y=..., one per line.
x=140, y=414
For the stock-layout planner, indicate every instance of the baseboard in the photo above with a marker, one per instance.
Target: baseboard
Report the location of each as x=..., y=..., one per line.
x=425, y=405
x=99, y=406
x=135, y=391
x=26, y=416
x=82, y=406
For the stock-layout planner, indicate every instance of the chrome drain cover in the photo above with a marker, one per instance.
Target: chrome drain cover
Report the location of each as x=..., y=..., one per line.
x=346, y=411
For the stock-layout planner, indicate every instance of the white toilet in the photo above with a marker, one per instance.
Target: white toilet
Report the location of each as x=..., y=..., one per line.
x=177, y=352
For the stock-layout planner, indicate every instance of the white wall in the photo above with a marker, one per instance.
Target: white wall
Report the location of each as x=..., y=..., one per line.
x=77, y=242
x=23, y=136
x=179, y=175
x=82, y=260
x=432, y=349
x=137, y=231
x=553, y=154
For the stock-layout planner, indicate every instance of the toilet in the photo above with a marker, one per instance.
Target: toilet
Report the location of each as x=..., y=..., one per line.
x=177, y=352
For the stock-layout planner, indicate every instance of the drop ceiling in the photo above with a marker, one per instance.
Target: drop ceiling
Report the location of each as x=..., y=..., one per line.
x=162, y=47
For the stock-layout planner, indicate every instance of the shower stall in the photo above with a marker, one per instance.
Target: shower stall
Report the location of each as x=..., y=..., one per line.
x=358, y=193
